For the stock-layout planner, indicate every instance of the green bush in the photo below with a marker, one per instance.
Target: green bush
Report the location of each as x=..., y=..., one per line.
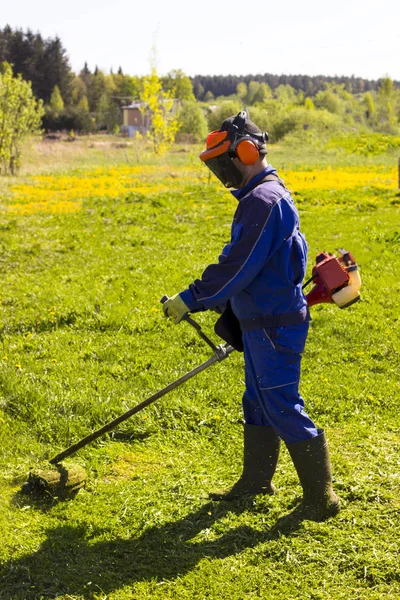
x=225, y=110
x=20, y=116
x=319, y=122
x=260, y=117
x=193, y=121
x=70, y=118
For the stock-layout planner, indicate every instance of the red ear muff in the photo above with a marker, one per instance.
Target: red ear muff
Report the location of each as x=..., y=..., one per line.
x=247, y=152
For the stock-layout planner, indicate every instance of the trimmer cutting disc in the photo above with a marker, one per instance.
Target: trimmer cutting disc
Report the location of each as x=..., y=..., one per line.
x=58, y=481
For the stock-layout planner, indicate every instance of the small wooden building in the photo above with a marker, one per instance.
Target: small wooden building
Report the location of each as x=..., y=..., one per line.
x=135, y=119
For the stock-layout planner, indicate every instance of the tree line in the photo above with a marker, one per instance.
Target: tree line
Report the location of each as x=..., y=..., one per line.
x=86, y=101
x=226, y=85
x=91, y=100
x=43, y=62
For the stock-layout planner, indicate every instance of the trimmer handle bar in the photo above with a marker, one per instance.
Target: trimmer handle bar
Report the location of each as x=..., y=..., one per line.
x=220, y=354
x=197, y=327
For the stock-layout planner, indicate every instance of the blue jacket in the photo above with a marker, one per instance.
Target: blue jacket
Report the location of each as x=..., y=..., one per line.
x=262, y=268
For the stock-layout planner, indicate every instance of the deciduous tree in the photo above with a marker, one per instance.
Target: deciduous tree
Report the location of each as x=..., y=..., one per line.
x=193, y=121
x=20, y=115
x=225, y=110
x=309, y=104
x=177, y=82
x=56, y=102
x=164, y=123
x=241, y=90
x=369, y=105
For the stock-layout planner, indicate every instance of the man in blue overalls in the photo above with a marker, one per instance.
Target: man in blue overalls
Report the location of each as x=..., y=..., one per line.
x=259, y=274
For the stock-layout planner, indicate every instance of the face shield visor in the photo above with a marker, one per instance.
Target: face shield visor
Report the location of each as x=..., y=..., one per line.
x=218, y=159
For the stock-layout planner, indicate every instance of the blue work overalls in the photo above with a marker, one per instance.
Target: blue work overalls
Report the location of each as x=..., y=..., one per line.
x=261, y=272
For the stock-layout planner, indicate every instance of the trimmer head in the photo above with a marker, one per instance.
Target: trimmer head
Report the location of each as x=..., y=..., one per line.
x=61, y=481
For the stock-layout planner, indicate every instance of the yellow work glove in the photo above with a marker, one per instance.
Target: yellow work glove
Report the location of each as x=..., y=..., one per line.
x=175, y=308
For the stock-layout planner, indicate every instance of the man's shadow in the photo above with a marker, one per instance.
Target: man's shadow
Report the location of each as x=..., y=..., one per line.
x=69, y=563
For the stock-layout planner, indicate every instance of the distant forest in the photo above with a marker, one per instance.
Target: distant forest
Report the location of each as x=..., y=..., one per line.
x=92, y=100
x=45, y=63
x=226, y=85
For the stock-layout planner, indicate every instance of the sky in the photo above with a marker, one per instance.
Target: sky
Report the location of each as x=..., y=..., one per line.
x=210, y=37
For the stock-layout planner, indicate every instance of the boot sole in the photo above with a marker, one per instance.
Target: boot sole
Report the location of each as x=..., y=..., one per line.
x=221, y=496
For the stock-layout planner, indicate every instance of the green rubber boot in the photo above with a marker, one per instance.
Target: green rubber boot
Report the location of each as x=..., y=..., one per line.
x=313, y=466
x=260, y=457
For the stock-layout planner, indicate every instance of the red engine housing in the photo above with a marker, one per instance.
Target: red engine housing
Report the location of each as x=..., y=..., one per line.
x=330, y=275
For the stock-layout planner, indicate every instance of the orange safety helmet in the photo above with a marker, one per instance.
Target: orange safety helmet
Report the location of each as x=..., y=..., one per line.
x=238, y=137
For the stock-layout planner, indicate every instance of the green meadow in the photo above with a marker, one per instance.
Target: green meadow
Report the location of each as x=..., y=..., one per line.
x=108, y=230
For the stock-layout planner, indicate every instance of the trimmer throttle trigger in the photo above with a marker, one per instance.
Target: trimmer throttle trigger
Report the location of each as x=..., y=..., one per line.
x=196, y=326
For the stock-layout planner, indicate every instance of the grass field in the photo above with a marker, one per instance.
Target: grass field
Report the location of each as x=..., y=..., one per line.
x=92, y=236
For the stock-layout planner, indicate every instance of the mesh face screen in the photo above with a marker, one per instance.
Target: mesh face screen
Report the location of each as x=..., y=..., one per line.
x=223, y=168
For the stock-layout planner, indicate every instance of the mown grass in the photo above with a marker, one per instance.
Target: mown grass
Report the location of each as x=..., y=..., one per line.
x=83, y=339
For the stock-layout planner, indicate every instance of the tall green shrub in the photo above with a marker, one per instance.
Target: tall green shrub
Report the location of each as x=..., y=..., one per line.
x=164, y=124
x=192, y=121
x=56, y=102
x=222, y=112
x=20, y=115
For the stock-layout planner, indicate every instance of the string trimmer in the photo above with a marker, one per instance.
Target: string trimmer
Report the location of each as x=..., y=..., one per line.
x=335, y=280
x=61, y=480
